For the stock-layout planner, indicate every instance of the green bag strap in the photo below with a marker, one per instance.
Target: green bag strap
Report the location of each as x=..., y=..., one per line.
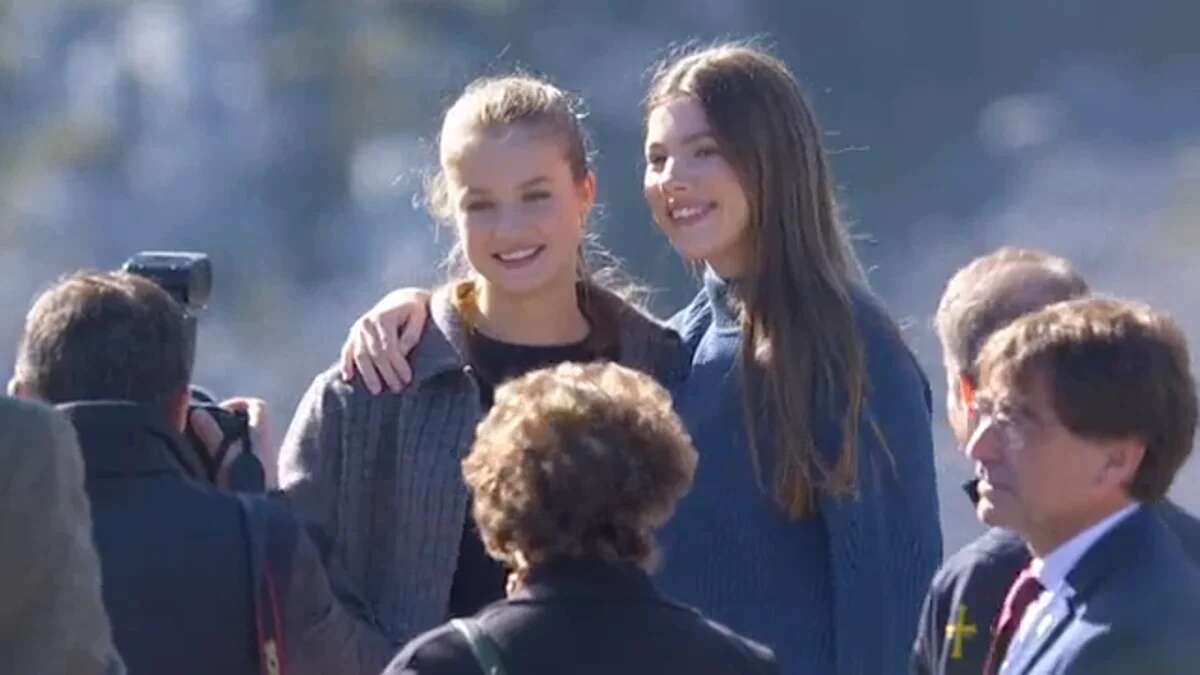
x=485, y=649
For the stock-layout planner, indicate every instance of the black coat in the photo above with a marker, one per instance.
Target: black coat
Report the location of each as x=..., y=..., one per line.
x=175, y=565
x=584, y=617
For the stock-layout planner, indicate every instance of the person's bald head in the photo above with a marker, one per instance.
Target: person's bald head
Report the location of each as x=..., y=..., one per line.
x=986, y=295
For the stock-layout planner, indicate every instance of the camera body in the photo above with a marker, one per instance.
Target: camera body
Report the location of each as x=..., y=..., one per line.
x=187, y=278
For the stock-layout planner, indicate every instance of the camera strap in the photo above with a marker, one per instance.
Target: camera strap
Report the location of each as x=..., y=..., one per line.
x=266, y=599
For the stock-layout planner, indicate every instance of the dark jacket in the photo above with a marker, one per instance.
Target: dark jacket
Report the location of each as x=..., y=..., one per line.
x=583, y=617
x=965, y=598
x=1130, y=605
x=175, y=563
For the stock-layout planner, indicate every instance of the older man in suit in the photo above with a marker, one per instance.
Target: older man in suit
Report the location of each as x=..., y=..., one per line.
x=967, y=594
x=52, y=618
x=1085, y=411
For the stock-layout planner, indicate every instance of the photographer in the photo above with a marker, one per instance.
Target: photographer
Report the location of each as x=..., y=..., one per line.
x=194, y=580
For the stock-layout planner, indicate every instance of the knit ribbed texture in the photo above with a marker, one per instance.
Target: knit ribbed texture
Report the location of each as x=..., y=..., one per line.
x=381, y=477
x=52, y=617
x=837, y=593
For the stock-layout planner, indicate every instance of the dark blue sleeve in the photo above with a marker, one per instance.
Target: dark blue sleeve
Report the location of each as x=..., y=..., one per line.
x=321, y=633
x=907, y=502
x=886, y=543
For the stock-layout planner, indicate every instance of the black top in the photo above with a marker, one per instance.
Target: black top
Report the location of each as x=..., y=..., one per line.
x=579, y=617
x=496, y=362
x=478, y=579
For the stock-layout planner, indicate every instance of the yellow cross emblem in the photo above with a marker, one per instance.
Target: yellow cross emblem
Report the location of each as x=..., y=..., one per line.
x=959, y=631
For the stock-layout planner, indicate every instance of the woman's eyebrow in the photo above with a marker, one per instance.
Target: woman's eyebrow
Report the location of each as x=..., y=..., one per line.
x=533, y=181
x=690, y=138
x=698, y=136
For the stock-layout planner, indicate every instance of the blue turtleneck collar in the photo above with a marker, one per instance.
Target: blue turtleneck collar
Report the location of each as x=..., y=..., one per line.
x=723, y=299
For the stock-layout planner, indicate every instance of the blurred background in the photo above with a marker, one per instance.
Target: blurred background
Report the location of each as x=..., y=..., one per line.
x=287, y=139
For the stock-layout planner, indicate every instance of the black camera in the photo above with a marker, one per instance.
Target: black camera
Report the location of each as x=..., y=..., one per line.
x=187, y=277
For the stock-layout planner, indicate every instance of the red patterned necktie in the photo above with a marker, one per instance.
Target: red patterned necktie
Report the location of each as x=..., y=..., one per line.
x=1020, y=596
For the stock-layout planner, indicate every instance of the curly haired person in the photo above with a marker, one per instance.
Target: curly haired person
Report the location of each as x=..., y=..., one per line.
x=571, y=473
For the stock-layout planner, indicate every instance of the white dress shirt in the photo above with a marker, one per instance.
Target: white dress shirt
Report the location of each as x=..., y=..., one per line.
x=1052, y=569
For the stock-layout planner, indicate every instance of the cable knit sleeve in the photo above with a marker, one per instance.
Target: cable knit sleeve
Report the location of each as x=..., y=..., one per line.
x=322, y=632
x=886, y=543
x=311, y=456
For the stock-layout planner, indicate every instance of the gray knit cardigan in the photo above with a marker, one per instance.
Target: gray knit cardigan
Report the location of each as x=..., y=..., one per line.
x=381, y=476
x=52, y=617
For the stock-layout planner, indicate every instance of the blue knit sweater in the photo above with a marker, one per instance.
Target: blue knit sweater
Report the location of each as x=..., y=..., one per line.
x=837, y=593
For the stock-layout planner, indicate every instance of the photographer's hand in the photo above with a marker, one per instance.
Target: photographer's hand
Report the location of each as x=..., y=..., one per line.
x=260, y=437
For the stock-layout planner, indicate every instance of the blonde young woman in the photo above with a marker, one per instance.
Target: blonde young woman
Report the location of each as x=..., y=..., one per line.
x=380, y=476
x=813, y=522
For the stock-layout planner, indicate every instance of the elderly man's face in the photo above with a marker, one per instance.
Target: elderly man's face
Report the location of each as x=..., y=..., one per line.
x=1035, y=476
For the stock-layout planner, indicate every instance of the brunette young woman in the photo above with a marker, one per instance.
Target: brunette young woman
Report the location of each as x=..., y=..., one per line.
x=380, y=476
x=812, y=525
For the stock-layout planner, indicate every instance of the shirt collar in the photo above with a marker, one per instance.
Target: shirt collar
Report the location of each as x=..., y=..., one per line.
x=124, y=438
x=1052, y=569
x=569, y=577
x=723, y=299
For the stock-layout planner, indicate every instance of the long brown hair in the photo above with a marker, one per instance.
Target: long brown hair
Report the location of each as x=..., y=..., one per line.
x=801, y=350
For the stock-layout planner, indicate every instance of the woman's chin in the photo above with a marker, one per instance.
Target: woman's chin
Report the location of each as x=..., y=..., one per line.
x=519, y=282
x=694, y=252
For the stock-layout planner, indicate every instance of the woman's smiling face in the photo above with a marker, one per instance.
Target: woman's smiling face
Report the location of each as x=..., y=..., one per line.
x=519, y=210
x=692, y=189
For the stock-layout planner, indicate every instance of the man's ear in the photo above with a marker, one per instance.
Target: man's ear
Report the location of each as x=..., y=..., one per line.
x=966, y=389
x=178, y=410
x=1122, y=460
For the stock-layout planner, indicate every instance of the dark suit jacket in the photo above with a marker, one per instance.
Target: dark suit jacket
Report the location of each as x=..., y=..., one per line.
x=1131, y=605
x=964, y=601
x=175, y=563
x=965, y=598
x=585, y=617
